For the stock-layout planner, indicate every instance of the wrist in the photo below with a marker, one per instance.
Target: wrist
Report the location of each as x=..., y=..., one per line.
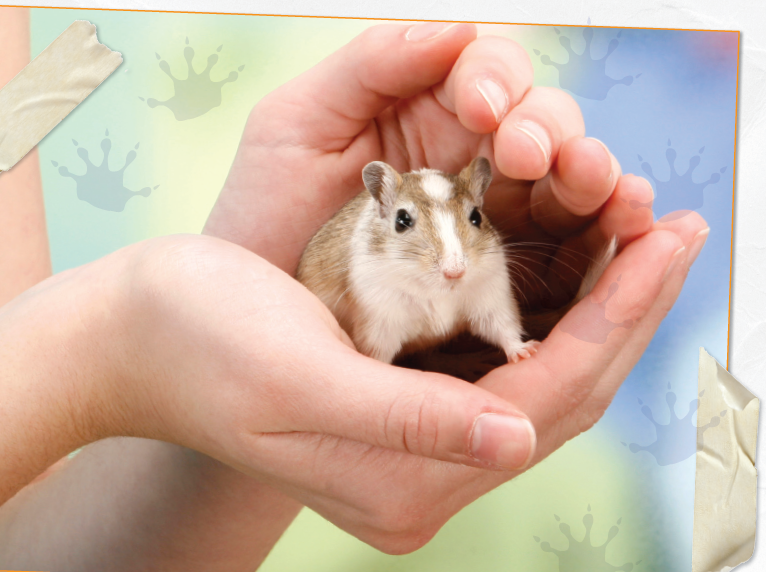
x=52, y=373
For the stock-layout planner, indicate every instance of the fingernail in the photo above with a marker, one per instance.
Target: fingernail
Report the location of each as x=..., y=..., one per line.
x=606, y=149
x=495, y=97
x=699, y=241
x=608, y=156
x=538, y=135
x=502, y=440
x=427, y=30
x=675, y=260
x=651, y=188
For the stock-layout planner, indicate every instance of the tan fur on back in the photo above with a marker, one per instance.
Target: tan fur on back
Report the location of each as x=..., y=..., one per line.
x=324, y=266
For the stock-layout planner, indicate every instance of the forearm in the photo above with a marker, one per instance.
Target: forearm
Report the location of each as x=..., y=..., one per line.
x=142, y=505
x=67, y=379
x=24, y=253
x=45, y=392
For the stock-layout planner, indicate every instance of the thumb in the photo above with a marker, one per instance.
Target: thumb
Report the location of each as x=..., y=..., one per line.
x=422, y=413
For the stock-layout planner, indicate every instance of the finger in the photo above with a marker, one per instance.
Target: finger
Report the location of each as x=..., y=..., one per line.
x=348, y=395
x=690, y=227
x=572, y=359
x=490, y=77
x=627, y=213
x=392, y=501
x=526, y=146
x=693, y=233
x=581, y=181
x=335, y=100
x=529, y=138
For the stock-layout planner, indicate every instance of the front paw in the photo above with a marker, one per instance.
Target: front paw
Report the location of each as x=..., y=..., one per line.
x=522, y=351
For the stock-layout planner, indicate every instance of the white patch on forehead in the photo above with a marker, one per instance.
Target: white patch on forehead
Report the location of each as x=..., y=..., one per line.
x=436, y=186
x=452, y=254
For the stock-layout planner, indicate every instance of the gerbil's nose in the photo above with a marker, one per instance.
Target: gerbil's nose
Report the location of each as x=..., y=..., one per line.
x=454, y=273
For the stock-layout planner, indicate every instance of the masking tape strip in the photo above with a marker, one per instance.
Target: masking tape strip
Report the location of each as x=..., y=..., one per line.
x=725, y=482
x=50, y=87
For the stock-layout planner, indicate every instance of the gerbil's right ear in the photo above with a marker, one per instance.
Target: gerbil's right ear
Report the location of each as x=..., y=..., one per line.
x=382, y=180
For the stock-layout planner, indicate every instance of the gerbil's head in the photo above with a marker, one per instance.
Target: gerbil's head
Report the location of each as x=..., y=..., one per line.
x=430, y=224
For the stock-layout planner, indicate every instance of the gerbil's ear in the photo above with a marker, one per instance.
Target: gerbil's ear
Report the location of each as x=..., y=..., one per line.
x=478, y=175
x=382, y=180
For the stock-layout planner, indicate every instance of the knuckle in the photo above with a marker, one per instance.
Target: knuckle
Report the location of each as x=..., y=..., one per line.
x=420, y=431
x=570, y=390
x=510, y=51
x=557, y=99
x=373, y=38
x=588, y=417
x=572, y=393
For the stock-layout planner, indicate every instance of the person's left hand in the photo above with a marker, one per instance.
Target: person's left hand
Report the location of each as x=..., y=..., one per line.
x=397, y=95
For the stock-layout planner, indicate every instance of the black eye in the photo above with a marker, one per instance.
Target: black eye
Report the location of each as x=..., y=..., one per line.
x=403, y=220
x=475, y=218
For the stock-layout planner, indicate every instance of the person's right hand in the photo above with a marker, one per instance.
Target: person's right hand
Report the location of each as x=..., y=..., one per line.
x=195, y=341
x=232, y=350
x=207, y=345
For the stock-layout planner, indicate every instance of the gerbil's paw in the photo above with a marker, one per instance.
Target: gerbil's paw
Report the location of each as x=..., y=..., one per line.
x=523, y=351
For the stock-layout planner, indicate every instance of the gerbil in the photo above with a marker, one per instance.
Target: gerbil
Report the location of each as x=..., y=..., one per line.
x=412, y=261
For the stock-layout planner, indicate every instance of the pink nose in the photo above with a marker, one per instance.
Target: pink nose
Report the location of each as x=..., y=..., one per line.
x=454, y=273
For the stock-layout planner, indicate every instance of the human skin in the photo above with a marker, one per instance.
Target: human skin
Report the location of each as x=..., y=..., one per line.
x=414, y=102
x=24, y=256
x=396, y=500
x=140, y=504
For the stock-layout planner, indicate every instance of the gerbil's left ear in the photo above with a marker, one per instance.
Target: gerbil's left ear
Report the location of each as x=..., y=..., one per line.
x=383, y=181
x=478, y=175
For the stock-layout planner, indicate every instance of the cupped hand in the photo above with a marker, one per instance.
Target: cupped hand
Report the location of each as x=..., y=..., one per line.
x=228, y=349
x=433, y=95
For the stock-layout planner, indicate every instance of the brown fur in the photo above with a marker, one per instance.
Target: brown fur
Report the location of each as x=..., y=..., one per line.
x=416, y=256
x=324, y=266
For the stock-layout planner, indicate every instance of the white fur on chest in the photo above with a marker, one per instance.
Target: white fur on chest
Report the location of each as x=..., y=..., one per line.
x=398, y=303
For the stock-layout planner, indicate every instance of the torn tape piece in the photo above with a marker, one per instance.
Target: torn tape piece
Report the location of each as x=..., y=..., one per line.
x=50, y=87
x=725, y=485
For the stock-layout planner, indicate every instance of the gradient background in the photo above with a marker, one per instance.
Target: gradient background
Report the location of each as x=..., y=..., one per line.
x=686, y=93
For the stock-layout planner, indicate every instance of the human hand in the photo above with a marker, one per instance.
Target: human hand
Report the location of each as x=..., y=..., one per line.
x=202, y=343
x=232, y=350
x=416, y=103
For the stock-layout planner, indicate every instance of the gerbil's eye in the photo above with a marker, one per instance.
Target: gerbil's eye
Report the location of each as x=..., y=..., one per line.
x=475, y=218
x=403, y=220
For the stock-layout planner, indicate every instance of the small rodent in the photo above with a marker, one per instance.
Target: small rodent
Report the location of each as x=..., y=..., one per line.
x=412, y=261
